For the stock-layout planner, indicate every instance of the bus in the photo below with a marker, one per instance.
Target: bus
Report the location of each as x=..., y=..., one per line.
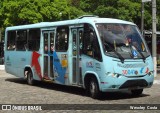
x=97, y=54
x=1, y=53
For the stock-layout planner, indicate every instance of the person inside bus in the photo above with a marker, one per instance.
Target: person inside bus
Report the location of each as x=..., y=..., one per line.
x=11, y=47
x=135, y=44
x=46, y=49
x=90, y=44
x=51, y=60
x=52, y=48
x=46, y=62
x=25, y=47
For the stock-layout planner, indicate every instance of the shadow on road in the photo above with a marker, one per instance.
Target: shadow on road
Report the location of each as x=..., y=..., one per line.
x=77, y=90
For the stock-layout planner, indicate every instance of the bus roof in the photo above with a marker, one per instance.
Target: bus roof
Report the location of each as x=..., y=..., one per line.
x=104, y=20
x=91, y=20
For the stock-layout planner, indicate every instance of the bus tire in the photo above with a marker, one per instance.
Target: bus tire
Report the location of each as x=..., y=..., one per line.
x=30, y=79
x=137, y=92
x=94, y=88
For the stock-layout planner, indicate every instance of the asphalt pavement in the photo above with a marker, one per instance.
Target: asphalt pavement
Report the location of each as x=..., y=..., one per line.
x=16, y=91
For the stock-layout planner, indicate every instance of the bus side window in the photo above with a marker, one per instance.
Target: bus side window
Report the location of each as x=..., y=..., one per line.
x=87, y=49
x=90, y=43
x=96, y=49
x=62, y=37
x=80, y=41
x=21, y=40
x=11, y=40
x=34, y=40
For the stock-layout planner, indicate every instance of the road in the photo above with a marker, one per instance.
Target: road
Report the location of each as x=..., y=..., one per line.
x=16, y=91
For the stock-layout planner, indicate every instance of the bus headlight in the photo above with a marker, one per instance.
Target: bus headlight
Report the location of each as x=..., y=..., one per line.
x=151, y=73
x=117, y=75
x=113, y=74
x=109, y=74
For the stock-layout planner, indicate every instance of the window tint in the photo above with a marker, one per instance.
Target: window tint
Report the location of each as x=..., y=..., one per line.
x=62, y=38
x=34, y=40
x=80, y=40
x=1, y=49
x=11, y=37
x=18, y=40
x=45, y=35
x=90, y=43
x=21, y=40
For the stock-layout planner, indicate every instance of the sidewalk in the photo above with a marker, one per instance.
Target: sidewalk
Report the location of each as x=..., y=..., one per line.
x=1, y=67
x=157, y=78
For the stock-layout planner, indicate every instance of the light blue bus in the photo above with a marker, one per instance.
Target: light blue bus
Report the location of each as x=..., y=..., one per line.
x=98, y=54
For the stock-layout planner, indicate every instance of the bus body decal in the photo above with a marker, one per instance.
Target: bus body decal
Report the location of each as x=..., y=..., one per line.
x=147, y=70
x=141, y=70
x=36, y=64
x=58, y=68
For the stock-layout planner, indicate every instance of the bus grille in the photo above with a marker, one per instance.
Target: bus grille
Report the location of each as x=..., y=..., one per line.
x=132, y=65
x=134, y=83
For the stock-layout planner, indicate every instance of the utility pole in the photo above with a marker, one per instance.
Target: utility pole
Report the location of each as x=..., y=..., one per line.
x=154, y=37
x=154, y=31
x=142, y=17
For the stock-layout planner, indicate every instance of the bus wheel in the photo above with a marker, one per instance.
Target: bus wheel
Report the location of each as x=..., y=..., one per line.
x=93, y=88
x=30, y=79
x=136, y=92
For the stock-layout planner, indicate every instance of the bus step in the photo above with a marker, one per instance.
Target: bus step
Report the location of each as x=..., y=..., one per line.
x=48, y=80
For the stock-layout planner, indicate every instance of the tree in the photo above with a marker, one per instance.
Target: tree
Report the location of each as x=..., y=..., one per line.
x=16, y=12
x=130, y=11
x=108, y=12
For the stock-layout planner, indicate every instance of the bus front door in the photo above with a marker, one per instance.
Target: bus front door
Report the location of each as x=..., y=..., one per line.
x=48, y=47
x=76, y=56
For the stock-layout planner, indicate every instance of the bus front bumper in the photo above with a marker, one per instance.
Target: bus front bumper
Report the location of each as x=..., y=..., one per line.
x=111, y=83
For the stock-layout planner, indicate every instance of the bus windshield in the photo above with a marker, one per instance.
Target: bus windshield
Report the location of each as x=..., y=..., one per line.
x=122, y=40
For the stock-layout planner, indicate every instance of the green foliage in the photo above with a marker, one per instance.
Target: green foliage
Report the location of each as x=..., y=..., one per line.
x=109, y=12
x=16, y=12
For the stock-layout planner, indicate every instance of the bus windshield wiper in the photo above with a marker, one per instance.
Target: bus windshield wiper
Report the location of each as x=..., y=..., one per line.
x=119, y=55
x=143, y=57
